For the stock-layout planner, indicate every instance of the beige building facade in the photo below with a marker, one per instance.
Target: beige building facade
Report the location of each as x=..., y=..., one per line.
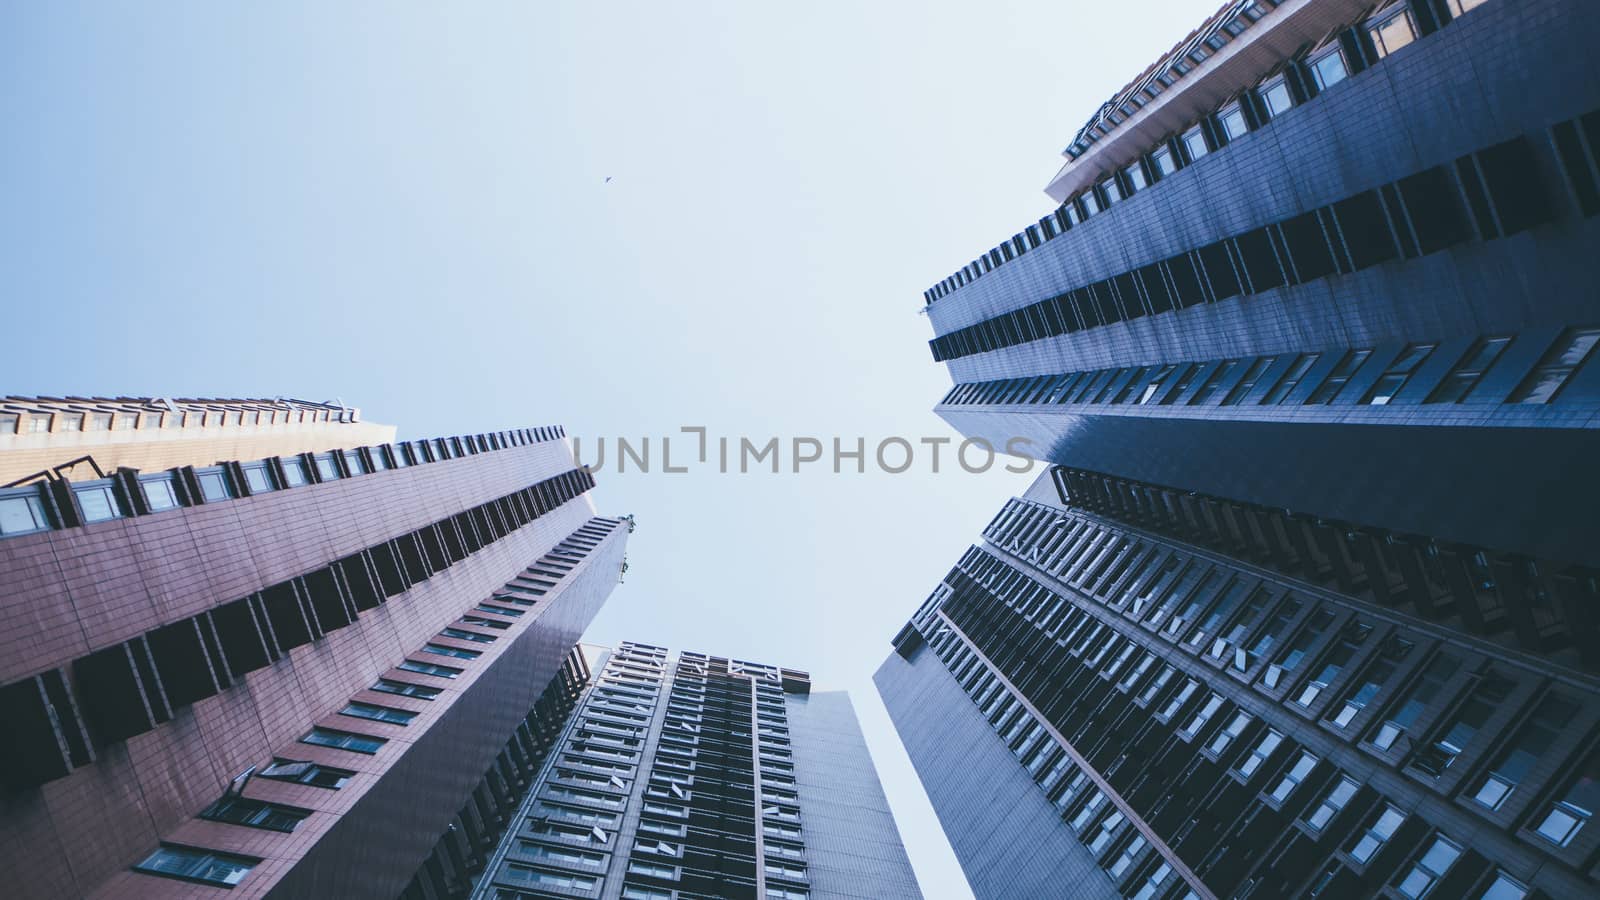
x=82, y=438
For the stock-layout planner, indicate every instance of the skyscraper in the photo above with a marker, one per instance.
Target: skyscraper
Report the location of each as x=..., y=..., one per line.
x=1094, y=703
x=1324, y=266
x=697, y=777
x=1306, y=604
x=320, y=674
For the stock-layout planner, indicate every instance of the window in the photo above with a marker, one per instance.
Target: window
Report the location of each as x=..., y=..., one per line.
x=1332, y=802
x=98, y=502
x=343, y=740
x=378, y=713
x=158, y=493
x=1377, y=833
x=39, y=422
x=307, y=773
x=1504, y=887
x=1290, y=658
x=1112, y=192
x=1194, y=143
x=123, y=422
x=652, y=870
x=429, y=669
x=1225, y=735
x=1104, y=832
x=1135, y=176
x=1150, y=886
x=256, y=478
x=1295, y=774
x=1203, y=715
x=255, y=814
x=1351, y=638
x=213, y=486
x=1233, y=122
x=1157, y=683
x=1260, y=753
x=1090, y=807
x=1378, y=674
x=1091, y=204
x=461, y=634
x=22, y=512
x=1556, y=367
x=294, y=471
x=1275, y=96
x=1209, y=387
x=485, y=622
x=637, y=892
x=1157, y=381
x=555, y=880
x=1480, y=705
x=72, y=422
x=1462, y=7
x=498, y=610
x=1572, y=809
x=1291, y=378
x=1165, y=163
x=192, y=864
x=562, y=855
x=1469, y=371
x=1391, y=29
x=1248, y=382
x=1429, y=868
x=326, y=467
x=1421, y=694
x=457, y=652
x=1530, y=743
x=100, y=421
x=8, y=423
x=1241, y=625
x=1328, y=68
x=1399, y=372
x=1336, y=380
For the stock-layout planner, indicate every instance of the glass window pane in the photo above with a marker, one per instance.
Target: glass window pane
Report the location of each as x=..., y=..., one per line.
x=1233, y=122
x=1329, y=69
x=212, y=486
x=97, y=504
x=1276, y=96
x=19, y=515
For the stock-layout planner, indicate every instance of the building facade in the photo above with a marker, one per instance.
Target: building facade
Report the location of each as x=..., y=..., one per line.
x=693, y=777
x=1308, y=600
x=1323, y=260
x=312, y=675
x=1099, y=705
x=87, y=437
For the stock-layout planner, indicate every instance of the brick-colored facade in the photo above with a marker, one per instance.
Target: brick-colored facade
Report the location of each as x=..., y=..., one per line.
x=455, y=531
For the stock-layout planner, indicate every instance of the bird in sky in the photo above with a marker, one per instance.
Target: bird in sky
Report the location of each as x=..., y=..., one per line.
x=608, y=179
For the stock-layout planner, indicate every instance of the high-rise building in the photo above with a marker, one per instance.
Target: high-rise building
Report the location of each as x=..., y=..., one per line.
x=1094, y=703
x=318, y=674
x=696, y=777
x=89, y=437
x=1329, y=268
x=1308, y=600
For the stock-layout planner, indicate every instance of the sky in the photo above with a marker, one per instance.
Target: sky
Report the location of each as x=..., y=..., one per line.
x=627, y=218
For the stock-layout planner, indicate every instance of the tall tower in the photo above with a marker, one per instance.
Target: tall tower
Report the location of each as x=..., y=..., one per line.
x=318, y=674
x=1306, y=603
x=696, y=777
x=1328, y=268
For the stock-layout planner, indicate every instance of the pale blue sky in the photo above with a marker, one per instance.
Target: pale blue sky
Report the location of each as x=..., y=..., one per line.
x=404, y=205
